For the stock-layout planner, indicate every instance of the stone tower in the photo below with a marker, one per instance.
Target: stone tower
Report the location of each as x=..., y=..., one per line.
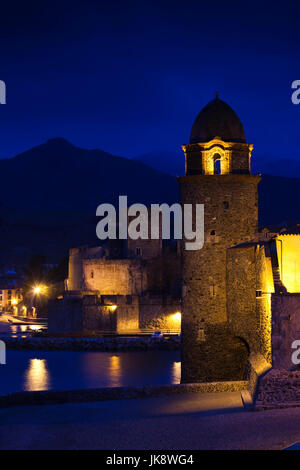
x=217, y=174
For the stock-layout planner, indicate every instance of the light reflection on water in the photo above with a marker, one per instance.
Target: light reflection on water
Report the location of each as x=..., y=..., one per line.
x=115, y=371
x=67, y=370
x=176, y=372
x=37, y=376
x=14, y=330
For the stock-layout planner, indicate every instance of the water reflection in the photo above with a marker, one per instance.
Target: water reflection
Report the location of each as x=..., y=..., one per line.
x=16, y=329
x=115, y=371
x=69, y=370
x=34, y=328
x=37, y=376
x=176, y=372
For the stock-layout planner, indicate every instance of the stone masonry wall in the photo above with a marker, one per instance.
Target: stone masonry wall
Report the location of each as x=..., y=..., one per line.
x=114, y=277
x=241, y=287
x=248, y=272
x=159, y=313
x=230, y=218
x=65, y=315
x=285, y=328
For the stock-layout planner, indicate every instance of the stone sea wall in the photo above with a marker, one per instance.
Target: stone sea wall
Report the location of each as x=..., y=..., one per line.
x=116, y=393
x=141, y=343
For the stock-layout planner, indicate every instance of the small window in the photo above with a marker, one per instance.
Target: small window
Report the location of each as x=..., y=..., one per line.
x=201, y=335
x=212, y=291
x=258, y=293
x=226, y=205
x=213, y=232
x=138, y=251
x=92, y=274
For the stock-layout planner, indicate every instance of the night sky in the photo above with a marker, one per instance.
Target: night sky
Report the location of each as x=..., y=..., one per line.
x=129, y=77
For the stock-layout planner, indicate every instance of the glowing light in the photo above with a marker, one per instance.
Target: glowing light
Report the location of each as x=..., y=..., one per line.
x=176, y=372
x=177, y=316
x=115, y=371
x=35, y=327
x=112, y=308
x=39, y=289
x=288, y=251
x=37, y=375
x=14, y=302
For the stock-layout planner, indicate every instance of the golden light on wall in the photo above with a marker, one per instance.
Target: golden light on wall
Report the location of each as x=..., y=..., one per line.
x=288, y=252
x=177, y=316
x=174, y=321
x=14, y=301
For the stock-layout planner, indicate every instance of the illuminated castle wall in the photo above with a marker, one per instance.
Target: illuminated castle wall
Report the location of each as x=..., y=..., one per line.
x=142, y=283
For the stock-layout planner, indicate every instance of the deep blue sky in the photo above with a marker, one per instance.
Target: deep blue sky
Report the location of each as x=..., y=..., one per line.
x=129, y=77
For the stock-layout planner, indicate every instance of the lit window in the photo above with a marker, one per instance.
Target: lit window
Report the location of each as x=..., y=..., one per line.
x=212, y=291
x=201, y=335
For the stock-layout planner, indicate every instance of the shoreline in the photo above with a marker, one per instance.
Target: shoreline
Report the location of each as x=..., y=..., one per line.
x=55, y=397
x=92, y=344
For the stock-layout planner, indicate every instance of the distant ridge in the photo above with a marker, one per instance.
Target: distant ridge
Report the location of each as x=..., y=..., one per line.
x=49, y=195
x=57, y=176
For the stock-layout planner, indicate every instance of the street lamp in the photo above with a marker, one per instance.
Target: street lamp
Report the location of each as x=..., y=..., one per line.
x=39, y=289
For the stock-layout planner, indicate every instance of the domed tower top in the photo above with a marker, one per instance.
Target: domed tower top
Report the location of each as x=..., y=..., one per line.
x=217, y=119
x=217, y=142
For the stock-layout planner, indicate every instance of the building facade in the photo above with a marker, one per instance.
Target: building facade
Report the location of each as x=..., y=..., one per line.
x=135, y=289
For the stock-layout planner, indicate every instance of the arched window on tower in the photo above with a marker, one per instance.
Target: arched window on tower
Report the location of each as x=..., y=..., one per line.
x=217, y=164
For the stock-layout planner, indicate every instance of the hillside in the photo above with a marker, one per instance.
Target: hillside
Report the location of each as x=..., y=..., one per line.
x=49, y=195
x=58, y=177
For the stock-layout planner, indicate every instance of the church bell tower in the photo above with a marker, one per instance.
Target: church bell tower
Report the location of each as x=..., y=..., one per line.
x=218, y=175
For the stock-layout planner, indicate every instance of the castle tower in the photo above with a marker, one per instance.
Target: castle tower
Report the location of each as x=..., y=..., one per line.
x=217, y=174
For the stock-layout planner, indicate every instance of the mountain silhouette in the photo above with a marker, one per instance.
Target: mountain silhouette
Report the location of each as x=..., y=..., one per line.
x=57, y=176
x=49, y=195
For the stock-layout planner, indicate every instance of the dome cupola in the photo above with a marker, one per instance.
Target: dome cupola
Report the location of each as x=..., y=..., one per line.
x=217, y=119
x=217, y=142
